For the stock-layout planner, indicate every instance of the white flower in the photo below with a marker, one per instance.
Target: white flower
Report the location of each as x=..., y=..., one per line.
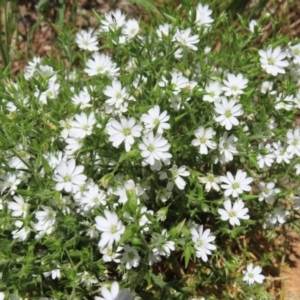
x=234, y=85
x=267, y=192
x=285, y=102
x=266, y=157
x=236, y=185
x=22, y=233
x=163, y=246
x=267, y=86
x=183, y=38
x=73, y=144
x=82, y=99
x=91, y=231
x=113, y=20
x=155, y=119
x=227, y=146
x=130, y=257
x=144, y=219
x=213, y=90
x=114, y=293
x=66, y=125
x=46, y=216
x=210, y=182
x=297, y=167
x=272, y=124
x=111, y=228
x=163, y=30
x=69, y=177
x=293, y=141
x=177, y=173
x=117, y=95
x=203, y=139
x=207, y=49
x=87, y=279
x=176, y=102
x=53, y=273
x=54, y=159
x=86, y=40
x=101, y=64
x=297, y=201
x=123, y=131
x=177, y=83
x=31, y=67
x=9, y=184
x=43, y=229
x=279, y=215
x=280, y=153
x=228, y=111
x=116, y=111
x=46, y=221
x=165, y=193
x=82, y=125
x=120, y=191
x=203, y=16
x=233, y=213
x=47, y=72
x=92, y=198
x=131, y=28
x=295, y=52
x=19, y=207
x=178, y=53
x=109, y=255
x=296, y=100
x=154, y=148
x=51, y=93
x=21, y=161
x=253, y=275
x=62, y=203
x=10, y=106
x=252, y=25
x=273, y=61
x=202, y=242
x=152, y=258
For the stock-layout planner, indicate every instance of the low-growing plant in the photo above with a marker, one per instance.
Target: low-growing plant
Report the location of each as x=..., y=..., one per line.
x=159, y=163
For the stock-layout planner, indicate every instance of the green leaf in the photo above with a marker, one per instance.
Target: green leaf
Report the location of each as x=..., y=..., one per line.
x=187, y=255
x=178, y=118
x=105, y=180
x=169, y=17
x=147, y=4
x=40, y=4
x=253, y=160
x=249, y=197
x=157, y=280
x=144, y=108
x=174, y=232
x=205, y=207
x=97, y=16
x=126, y=156
x=46, y=166
x=129, y=155
x=128, y=234
x=132, y=200
x=237, y=231
x=26, y=193
x=5, y=72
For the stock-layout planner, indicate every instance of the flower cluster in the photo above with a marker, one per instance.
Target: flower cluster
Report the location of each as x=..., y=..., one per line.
x=153, y=154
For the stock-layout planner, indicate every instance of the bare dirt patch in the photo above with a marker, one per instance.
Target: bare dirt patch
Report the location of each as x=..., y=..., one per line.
x=290, y=270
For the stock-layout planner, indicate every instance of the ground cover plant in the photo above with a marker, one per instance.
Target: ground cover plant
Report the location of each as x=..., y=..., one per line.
x=150, y=160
